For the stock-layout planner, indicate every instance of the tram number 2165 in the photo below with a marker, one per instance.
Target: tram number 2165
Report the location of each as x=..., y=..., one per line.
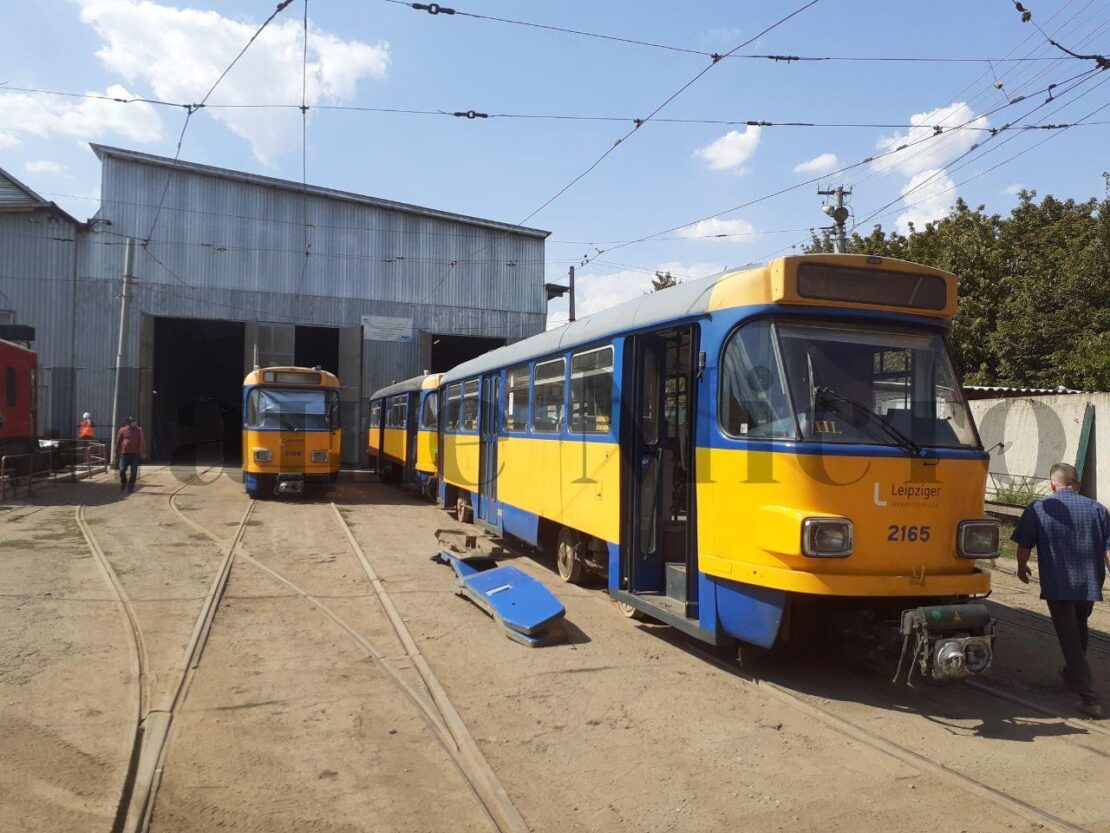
x=907, y=533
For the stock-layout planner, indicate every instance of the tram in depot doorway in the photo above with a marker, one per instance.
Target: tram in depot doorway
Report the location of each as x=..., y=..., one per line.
x=765, y=455
x=291, y=431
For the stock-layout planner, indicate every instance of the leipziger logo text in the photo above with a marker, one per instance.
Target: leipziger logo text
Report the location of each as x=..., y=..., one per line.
x=901, y=493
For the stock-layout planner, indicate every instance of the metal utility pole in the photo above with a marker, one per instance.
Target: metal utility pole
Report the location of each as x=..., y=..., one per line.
x=121, y=352
x=839, y=213
x=571, y=316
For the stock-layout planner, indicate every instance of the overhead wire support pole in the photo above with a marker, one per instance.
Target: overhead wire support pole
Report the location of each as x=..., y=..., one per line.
x=121, y=351
x=570, y=316
x=839, y=213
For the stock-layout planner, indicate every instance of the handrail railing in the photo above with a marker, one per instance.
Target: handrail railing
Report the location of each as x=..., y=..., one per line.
x=76, y=459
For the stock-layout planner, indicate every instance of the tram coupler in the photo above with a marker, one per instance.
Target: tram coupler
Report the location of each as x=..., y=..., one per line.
x=945, y=642
x=289, y=484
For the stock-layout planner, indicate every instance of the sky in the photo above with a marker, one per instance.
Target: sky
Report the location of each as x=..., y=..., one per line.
x=672, y=177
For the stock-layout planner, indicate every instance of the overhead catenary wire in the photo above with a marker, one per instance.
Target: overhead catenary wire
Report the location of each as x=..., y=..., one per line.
x=190, y=109
x=436, y=9
x=1027, y=17
x=304, y=143
x=559, y=117
x=1009, y=89
x=641, y=122
x=813, y=180
x=917, y=186
x=883, y=210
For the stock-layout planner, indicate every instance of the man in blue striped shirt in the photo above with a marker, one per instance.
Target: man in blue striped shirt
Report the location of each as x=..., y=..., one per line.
x=1072, y=537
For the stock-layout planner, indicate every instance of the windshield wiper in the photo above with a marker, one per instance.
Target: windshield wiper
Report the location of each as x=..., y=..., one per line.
x=901, y=439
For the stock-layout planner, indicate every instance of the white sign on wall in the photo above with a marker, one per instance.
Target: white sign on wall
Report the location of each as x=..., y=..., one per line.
x=384, y=328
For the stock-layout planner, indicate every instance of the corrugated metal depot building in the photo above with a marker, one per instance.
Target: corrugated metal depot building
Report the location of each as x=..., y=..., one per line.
x=385, y=291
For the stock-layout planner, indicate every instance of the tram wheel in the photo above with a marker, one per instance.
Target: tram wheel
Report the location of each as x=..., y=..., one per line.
x=567, y=558
x=630, y=612
x=462, y=510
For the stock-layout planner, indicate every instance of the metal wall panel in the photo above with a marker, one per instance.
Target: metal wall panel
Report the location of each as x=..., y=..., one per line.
x=229, y=249
x=37, y=281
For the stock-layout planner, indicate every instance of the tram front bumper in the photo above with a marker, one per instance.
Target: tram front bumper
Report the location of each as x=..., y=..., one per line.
x=946, y=642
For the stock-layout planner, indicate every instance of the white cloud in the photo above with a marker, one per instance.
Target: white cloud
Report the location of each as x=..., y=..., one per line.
x=42, y=116
x=930, y=191
x=732, y=150
x=180, y=52
x=818, y=164
x=717, y=229
x=601, y=291
x=1014, y=190
x=43, y=166
x=929, y=196
x=925, y=153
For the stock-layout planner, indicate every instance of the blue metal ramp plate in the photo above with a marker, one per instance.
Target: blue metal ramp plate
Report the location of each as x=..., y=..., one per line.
x=518, y=602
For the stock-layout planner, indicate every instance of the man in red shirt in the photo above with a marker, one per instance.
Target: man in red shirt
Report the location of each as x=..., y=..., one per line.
x=129, y=447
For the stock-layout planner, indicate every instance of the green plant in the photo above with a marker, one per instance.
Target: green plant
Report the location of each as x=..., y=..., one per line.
x=1017, y=491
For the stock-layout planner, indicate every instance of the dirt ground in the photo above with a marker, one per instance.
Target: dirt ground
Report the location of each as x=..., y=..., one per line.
x=290, y=726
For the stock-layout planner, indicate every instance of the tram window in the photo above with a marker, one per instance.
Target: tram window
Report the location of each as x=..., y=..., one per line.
x=429, y=416
x=591, y=391
x=516, y=400
x=376, y=415
x=870, y=384
x=470, y=406
x=397, y=412
x=548, y=393
x=753, y=402
x=293, y=409
x=454, y=405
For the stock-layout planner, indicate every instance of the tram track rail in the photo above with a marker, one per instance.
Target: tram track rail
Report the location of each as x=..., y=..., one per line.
x=152, y=721
x=431, y=700
x=920, y=761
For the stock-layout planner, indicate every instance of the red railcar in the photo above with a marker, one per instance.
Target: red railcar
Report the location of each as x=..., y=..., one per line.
x=18, y=424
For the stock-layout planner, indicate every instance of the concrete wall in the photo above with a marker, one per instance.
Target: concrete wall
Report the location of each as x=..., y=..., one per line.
x=1037, y=431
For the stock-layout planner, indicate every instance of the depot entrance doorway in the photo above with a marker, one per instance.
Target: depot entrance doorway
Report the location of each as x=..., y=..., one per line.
x=197, y=386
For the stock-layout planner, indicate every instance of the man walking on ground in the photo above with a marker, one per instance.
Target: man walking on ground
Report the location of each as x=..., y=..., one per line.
x=129, y=446
x=1072, y=537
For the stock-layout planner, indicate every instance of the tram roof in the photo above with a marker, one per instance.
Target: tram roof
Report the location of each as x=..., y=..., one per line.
x=407, y=386
x=755, y=284
x=326, y=379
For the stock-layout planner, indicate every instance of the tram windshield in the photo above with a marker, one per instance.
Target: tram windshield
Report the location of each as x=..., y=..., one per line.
x=832, y=383
x=290, y=409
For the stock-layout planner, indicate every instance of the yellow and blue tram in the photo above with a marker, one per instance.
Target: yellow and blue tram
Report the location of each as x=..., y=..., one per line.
x=762, y=455
x=291, y=430
x=402, y=438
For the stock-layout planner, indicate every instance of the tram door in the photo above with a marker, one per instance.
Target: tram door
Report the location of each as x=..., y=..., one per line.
x=489, y=429
x=659, y=559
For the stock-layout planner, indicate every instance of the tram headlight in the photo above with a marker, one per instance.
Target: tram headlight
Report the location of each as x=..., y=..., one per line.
x=978, y=539
x=827, y=537
x=319, y=456
x=263, y=455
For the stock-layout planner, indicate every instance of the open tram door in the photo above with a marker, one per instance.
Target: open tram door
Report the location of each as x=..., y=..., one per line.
x=488, y=512
x=658, y=554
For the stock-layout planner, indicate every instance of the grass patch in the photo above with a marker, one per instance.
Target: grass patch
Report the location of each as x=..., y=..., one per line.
x=1008, y=547
x=1018, y=491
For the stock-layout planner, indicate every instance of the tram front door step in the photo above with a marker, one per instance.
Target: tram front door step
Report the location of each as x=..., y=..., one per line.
x=676, y=581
